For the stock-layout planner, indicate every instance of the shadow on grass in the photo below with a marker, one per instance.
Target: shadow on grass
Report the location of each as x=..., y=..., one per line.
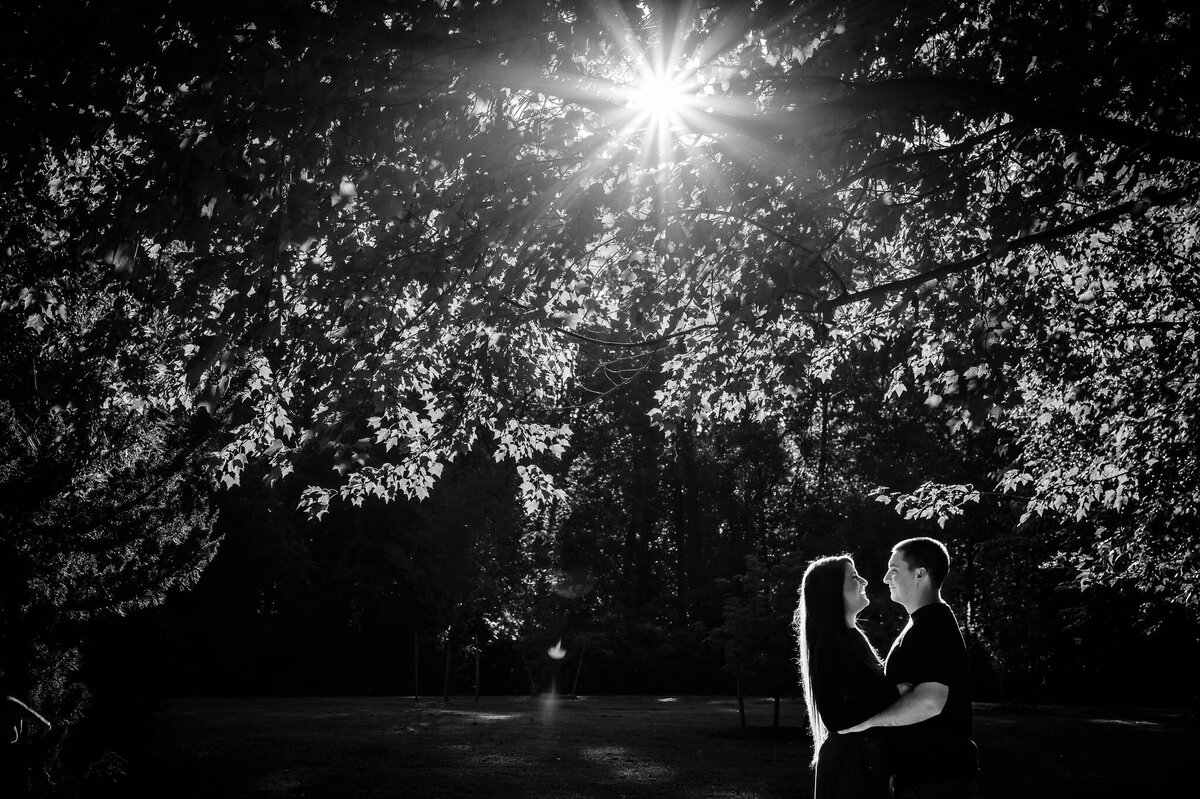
x=782, y=733
x=608, y=747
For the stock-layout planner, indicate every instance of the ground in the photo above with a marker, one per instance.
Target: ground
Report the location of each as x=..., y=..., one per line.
x=610, y=746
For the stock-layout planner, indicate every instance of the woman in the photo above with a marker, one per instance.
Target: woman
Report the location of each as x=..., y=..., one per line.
x=843, y=681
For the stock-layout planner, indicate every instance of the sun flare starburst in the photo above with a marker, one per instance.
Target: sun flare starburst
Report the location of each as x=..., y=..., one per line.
x=652, y=82
x=659, y=95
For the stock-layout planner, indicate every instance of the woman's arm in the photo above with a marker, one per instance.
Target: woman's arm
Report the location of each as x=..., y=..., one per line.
x=924, y=702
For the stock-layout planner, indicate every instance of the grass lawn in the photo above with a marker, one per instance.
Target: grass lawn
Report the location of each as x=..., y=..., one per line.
x=611, y=746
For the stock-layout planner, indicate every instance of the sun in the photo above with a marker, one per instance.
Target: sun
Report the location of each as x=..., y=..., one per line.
x=663, y=102
x=659, y=95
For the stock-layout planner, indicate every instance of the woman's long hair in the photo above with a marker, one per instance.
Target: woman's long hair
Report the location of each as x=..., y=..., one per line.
x=821, y=612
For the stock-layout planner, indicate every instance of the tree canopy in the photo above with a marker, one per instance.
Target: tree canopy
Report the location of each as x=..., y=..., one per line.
x=404, y=231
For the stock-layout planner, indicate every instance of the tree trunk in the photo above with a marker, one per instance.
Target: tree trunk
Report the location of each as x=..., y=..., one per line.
x=533, y=684
x=643, y=510
x=449, y=649
x=741, y=700
x=578, y=669
x=824, y=441
x=416, y=667
x=685, y=494
x=775, y=728
x=477, y=668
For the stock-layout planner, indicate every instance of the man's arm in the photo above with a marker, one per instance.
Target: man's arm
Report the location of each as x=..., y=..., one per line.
x=925, y=702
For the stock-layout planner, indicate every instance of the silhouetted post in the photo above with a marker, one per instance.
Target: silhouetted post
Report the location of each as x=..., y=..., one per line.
x=477, y=668
x=416, y=667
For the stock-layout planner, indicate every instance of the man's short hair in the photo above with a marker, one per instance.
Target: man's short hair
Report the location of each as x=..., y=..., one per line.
x=927, y=552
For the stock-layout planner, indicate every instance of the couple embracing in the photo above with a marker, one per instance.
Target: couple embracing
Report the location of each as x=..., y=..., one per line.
x=903, y=725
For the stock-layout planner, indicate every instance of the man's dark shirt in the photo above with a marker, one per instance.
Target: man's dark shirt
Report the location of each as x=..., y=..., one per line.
x=931, y=649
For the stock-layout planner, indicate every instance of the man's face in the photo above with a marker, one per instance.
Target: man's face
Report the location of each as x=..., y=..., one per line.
x=901, y=579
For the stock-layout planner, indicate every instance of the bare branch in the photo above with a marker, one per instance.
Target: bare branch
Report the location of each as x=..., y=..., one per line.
x=914, y=91
x=1001, y=249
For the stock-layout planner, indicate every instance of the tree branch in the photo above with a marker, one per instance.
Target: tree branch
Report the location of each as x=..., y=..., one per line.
x=968, y=143
x=913, y=91
x=1108, y=215
x=647, y=343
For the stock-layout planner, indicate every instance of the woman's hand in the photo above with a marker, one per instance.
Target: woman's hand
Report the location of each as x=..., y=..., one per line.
x=863, y=727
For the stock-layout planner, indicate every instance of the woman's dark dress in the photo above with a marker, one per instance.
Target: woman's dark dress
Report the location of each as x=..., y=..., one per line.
x=849, y=687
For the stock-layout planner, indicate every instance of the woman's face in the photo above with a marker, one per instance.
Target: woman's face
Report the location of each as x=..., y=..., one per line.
x=854, y=592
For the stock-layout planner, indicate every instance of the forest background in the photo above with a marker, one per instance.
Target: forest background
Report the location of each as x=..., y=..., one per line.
x=370, y=347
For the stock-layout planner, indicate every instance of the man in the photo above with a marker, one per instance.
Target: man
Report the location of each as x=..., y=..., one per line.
x=932, y=754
